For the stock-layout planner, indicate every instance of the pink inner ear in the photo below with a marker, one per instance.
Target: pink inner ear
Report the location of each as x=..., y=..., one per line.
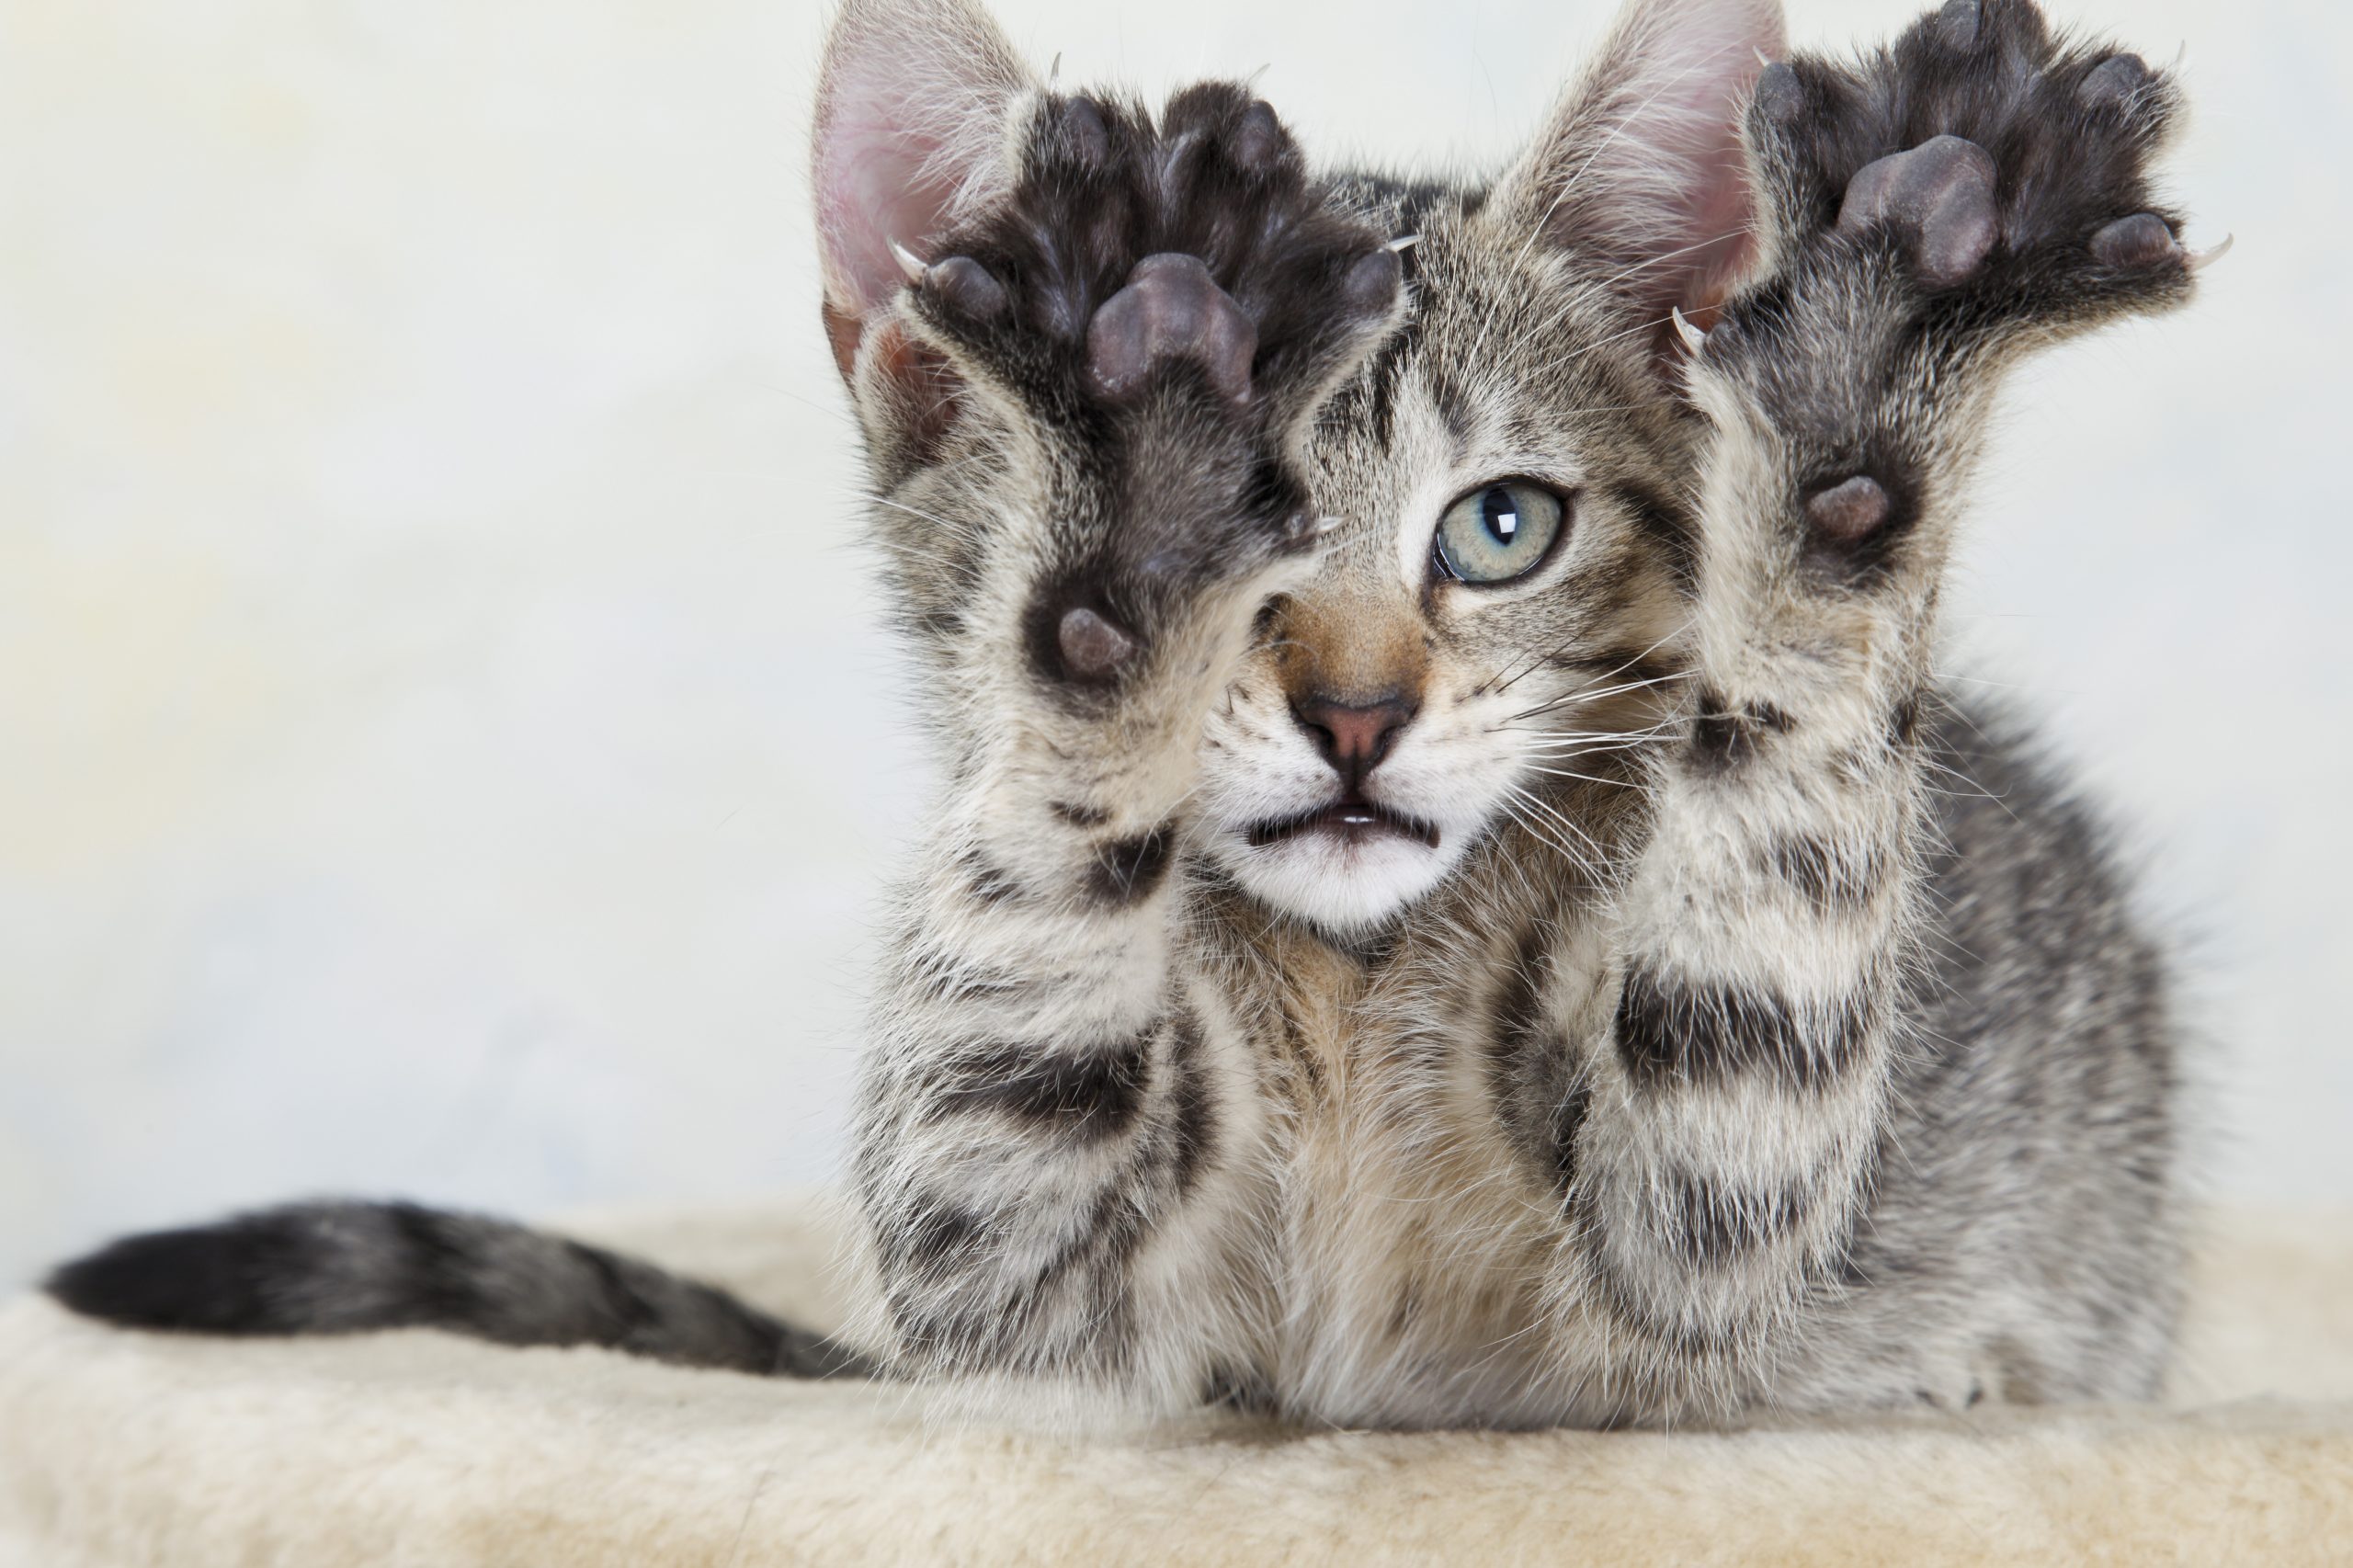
x=1717, y=218
x=1716, y=210
x=1666, y=180
x=877, y=182
x=911, y=123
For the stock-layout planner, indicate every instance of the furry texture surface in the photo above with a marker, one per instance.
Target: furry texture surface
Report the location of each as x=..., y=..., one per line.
x=124, y=1450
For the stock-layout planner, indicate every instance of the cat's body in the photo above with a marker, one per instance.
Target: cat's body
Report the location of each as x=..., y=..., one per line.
x=1536, y=944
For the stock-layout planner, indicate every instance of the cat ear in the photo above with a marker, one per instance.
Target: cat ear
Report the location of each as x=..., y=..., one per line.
x=913, y=104
x=1641, y=166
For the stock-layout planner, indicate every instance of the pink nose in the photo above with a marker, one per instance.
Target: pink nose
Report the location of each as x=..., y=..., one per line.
x=1353, y=736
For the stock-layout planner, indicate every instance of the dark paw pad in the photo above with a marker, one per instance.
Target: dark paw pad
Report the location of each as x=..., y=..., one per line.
x=1940, y=196
x=1847, y=514
x=1171, y=310
x=1094, y=648
x=1370, y=285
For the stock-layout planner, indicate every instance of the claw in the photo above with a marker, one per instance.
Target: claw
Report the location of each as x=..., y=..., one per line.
x=1693, y=338
x=1325, y=524
x=2200, y=260
x=909, y=263
x=1404, y=243
x=1762, y=57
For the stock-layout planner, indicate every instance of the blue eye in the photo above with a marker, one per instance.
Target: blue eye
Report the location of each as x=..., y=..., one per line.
x=1499, y=531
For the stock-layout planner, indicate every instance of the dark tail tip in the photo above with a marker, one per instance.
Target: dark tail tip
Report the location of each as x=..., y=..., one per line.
x=212, y=1279
x=345, y=1267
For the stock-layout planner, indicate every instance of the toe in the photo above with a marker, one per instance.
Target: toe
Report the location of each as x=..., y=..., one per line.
x=2141, y=240
x=965, y=287
x=1957, y=24
x=2113, y=83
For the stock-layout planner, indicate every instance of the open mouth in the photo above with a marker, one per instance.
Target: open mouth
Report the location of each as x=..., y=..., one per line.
x=1350, y=822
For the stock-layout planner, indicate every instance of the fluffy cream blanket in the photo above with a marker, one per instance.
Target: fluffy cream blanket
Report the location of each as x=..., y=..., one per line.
x=123, y=1451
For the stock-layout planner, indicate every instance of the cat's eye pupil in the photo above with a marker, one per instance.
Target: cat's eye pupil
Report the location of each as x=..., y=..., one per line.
x=1500, y=512
x=1498, y=532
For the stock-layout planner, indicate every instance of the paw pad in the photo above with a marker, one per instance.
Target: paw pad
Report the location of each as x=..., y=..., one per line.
x=1940, y=195
x=1258, y=143
x=1092, y=647
x=1849, y=513
x=1171, y=310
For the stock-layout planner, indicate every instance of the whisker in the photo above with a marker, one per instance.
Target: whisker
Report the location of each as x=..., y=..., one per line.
x=1554, y=704
x=1592, y=779
x=1527, y=798
x=1604, y=674
x=1537, y=833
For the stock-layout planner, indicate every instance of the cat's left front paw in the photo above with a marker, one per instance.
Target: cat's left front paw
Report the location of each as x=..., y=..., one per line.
x=2006, y=171
x=1928, y=214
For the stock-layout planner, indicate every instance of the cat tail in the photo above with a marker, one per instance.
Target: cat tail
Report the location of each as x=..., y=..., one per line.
x=344, y=1268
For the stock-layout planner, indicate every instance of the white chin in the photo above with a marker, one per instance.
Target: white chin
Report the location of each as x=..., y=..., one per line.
x=1343, y=886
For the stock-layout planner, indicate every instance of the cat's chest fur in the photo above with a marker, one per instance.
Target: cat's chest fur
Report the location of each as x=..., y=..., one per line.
x=1407, y=1224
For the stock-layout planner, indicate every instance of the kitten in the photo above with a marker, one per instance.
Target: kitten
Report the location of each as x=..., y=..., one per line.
x=1440, y=909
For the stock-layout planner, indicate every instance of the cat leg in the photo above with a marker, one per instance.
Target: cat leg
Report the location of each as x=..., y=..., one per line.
x=1928, y=215
x=1056, y=1122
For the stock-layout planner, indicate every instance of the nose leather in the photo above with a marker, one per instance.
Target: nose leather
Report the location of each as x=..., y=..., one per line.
x=1353, y=736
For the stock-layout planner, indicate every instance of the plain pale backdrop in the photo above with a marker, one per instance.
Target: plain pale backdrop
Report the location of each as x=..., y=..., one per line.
x=444, y=745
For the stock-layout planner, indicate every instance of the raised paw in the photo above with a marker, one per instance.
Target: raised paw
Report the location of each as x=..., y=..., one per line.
x=1163, y=300
x=1990, y=158
x=1186, y=254
x=1928, y=214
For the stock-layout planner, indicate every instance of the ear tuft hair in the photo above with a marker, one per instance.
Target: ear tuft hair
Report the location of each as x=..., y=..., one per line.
x=1641, y=166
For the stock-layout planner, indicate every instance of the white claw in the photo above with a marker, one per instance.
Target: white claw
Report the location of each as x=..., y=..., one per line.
x=1054, y=72
x=909, y=263
x=2200, y=260
x=1405, y=242
x=1763, y=59
x=1693, y=338
x=1325, y=524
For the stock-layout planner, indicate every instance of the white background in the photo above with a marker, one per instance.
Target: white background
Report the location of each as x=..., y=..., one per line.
x=444, y=746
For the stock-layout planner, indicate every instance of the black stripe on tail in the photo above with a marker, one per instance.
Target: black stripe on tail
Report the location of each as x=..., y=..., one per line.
x=348, y=1267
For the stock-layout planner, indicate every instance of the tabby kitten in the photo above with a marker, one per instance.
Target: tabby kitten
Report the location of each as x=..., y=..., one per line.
x=1440, y=908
